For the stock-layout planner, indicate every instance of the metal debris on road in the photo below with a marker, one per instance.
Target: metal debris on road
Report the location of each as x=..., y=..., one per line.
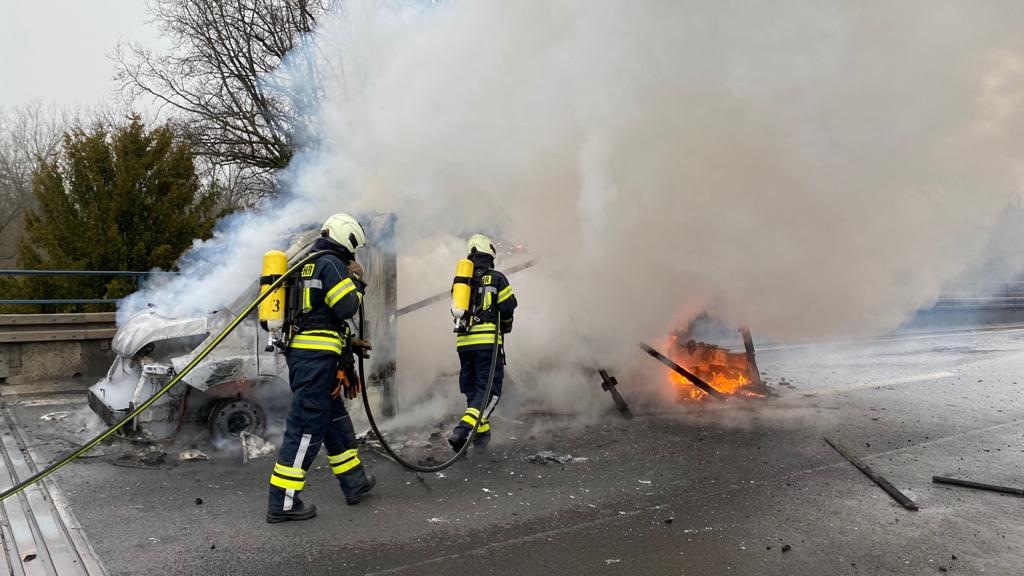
x=609, y=384
x=55, y=416
x=547, y=456
x=882, y=482
x=193, y=454
x=254, y=447
x=978, y=485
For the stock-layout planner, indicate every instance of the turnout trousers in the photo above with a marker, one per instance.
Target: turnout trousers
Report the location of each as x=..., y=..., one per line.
x=476, y=367
x=316, y=418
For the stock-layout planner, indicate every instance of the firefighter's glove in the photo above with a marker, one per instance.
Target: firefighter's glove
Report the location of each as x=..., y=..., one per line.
x=355, y=270
x=506, y=326
x=361, y=347
x=348, y=384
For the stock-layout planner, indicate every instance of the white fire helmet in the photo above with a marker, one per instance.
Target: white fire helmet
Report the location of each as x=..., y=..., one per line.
x=480, y=243
x=345, y=230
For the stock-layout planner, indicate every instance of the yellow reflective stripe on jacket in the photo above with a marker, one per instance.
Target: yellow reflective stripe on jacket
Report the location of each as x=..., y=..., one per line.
x=504, y=294
x=289, y=472
x=323, y=343
x=344, y=462
x=306, y=304
x=485, y=327
x=339, y=291
x=477, y=339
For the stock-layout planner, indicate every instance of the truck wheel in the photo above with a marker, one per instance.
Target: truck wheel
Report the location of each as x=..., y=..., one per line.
x=229, y=418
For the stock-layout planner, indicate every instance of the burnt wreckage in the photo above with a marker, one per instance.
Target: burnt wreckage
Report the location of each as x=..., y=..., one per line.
x=241, y=385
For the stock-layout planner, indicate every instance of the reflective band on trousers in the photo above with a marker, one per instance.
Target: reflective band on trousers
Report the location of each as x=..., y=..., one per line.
x=341, y=463
x=339, y=291
x=288, y=477
x=317, y=341
x=470, y=416
x=485, y=426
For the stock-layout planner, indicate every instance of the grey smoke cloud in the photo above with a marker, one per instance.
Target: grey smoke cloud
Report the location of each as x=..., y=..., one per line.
x=808, y=169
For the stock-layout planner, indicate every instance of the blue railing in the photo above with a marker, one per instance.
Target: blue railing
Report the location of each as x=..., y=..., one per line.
x=139, y=277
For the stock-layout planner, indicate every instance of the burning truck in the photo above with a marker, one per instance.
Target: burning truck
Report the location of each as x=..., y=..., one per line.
x=243, y=384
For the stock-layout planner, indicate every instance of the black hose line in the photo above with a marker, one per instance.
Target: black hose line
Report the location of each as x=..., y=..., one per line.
x=167, y=387
x=472, y=434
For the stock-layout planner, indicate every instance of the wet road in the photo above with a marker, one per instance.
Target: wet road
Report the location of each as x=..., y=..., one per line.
x=745, y=488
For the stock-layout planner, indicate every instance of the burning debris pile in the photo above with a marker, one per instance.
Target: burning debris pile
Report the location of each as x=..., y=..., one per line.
x=730, y=373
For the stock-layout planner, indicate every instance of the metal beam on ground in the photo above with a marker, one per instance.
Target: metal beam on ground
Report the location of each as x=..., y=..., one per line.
x=884, y=484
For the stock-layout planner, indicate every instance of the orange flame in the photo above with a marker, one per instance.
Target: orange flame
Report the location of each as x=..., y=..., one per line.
x=724, y=371
x=721, y=382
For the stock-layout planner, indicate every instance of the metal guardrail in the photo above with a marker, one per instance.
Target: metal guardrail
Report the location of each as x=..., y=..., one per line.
x=139, y=278
x=26, y=328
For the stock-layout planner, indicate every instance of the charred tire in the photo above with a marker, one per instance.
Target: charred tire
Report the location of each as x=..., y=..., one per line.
x=229, y=418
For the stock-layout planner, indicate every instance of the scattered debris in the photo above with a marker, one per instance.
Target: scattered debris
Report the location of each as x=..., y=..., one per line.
x=786, y=548
x=436, y=520
x=547, y=456
x=28, y=557
x=644, y=481
x=668, y=520
x=611, y=561
x=977, y=485
x=254, y=447
x=882, y=482
x=199, y=501
x=608, y=384
x=55, y=416
x=147, y=459
x=193, y=454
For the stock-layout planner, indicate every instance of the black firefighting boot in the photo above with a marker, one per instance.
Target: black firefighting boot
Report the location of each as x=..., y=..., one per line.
x=458, y=438
x=299, y=511
x=481, y=440
x=356, y=485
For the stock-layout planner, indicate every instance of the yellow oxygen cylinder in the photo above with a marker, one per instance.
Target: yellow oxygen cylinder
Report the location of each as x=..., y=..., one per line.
x=275, y=263
x=461, y=289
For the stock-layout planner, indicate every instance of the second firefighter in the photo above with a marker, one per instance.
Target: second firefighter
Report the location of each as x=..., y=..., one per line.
x=491, y=294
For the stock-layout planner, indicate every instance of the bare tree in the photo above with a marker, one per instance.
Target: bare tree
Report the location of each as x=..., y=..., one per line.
x=29, y=135
x=214, y=75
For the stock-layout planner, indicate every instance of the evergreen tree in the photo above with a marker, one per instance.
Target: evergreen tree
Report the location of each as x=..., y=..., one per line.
x=113, y=199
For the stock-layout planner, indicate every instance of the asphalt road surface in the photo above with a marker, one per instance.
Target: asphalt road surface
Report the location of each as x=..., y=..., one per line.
x=744, y=488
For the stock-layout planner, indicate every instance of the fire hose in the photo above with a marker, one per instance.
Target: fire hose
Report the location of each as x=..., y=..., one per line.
x=100, y=438
x=472, y=434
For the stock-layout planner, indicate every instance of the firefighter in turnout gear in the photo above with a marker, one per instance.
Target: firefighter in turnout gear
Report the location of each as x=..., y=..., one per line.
x=490, y=293
x=319, y=354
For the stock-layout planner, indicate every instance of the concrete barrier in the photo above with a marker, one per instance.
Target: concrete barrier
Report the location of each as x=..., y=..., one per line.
x=37, y=347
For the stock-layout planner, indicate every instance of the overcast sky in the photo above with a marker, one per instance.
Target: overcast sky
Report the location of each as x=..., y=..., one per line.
x=55, y=51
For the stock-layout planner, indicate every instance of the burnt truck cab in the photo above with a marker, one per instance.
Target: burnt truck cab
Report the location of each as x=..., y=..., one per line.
x=240, y=386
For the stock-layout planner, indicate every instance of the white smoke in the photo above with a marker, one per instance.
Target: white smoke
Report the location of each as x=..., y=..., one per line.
x=805, y=168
